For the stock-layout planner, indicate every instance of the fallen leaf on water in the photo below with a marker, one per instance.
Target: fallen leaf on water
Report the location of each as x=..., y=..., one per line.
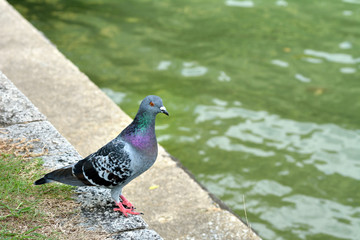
x=286, y=49
x=319, y=91
x=132, y=20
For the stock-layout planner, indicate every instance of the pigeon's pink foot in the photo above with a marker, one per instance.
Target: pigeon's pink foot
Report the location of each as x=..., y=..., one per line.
x=126, y=202
x=124, y=210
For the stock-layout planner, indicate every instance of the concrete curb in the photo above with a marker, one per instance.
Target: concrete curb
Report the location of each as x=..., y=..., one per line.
x=19, y=118
x=178, y=207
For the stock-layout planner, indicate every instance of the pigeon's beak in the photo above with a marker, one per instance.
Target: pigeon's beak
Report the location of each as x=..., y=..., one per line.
x=163, y=110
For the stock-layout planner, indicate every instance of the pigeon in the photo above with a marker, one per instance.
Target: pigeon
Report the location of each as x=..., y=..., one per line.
x=121, y=160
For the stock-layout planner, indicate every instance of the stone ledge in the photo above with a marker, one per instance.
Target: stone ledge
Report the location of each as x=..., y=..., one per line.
x=14, y=106
x=21, y=119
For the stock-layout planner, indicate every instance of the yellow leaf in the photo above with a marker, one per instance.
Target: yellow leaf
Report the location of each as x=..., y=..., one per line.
x=152, y=187
x=319, y=91
x=132, y=20
x=286, y=49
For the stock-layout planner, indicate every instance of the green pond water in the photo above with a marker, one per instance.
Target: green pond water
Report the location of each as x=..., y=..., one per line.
x=263, y=96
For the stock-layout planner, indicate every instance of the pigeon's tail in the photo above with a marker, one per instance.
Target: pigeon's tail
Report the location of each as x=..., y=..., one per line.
x=63, y=175
x=41, y=181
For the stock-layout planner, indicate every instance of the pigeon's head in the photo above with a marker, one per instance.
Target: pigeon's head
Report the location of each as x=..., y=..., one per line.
x=153, y=104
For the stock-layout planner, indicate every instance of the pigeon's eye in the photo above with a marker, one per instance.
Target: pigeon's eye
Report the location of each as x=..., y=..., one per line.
x=151, y=104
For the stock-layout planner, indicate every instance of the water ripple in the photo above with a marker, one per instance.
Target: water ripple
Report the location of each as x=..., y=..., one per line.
x=333, y=57
x=352, y=1
x=190, y=70
x=323, y=216
x=302, y=78
x=330, y=148
x=313, y=215
x=224, y=143
x=281, y=3
x=117, y=97
x=234, y=3
x=280, y=63
x=163, y=65
x=345, y=45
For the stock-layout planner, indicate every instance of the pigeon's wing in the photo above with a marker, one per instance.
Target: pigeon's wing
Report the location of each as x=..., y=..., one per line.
x=109, y=166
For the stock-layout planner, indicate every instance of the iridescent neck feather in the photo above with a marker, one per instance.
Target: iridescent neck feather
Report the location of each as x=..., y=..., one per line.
x=141, y=132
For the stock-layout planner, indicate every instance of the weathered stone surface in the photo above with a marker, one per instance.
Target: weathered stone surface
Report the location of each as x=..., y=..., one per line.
x=142, y=234
x=13, y=105
x=97, y=206
x=45, y=139
x=111, y=221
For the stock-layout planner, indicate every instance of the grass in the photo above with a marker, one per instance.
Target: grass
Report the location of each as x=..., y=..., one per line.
x=34, y=212
x=23, y=205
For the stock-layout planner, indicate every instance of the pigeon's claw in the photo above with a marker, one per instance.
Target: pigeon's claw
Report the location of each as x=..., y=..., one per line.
x=124, y=210
x=126, y=203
